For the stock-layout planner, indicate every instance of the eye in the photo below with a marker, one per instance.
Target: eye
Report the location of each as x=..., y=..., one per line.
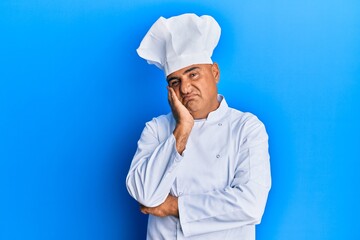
x=194, y=75
x=174, y=83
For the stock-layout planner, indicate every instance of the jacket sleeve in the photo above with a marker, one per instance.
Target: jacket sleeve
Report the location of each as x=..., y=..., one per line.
x=243, y=201
x=153, y=168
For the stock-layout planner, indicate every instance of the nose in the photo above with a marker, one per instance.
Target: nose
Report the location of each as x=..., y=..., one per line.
x=185, y=87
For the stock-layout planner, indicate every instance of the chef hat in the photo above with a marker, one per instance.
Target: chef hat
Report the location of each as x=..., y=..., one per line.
x=177, y=42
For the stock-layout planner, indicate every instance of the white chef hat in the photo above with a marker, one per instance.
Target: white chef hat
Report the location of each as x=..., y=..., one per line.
x=180, y=41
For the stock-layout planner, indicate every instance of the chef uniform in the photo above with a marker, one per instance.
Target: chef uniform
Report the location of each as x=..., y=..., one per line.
x=222, y=178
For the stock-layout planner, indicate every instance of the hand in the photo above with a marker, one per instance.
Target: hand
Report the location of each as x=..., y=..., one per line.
x=180, y=112
x=184, y=121
x=167, y=208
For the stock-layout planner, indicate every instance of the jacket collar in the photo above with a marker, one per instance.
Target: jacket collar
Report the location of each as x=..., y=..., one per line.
x=217, y=114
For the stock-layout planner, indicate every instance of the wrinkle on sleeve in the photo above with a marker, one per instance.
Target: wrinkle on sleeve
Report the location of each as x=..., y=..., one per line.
x=153, y=168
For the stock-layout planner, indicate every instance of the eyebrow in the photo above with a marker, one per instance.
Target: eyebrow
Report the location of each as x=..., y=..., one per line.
x=186, y=71
x=189, y=70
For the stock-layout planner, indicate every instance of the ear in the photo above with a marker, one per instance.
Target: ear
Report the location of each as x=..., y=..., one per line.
x=216, y=72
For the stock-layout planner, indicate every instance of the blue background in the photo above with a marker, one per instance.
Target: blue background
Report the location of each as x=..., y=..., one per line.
x=74, y=97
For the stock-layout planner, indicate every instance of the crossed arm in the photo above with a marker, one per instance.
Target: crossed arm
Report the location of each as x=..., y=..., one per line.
x=167, y=208
x=241, y=203
x=184, y=124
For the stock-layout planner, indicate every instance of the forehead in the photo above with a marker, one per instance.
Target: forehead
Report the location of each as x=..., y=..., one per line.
x=187, y=69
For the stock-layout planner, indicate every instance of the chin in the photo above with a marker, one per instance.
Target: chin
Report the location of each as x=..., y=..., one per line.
x=193, y=111
x=191, y=106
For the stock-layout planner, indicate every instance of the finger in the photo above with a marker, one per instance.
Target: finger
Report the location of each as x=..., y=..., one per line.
x=169, y=95
x=144, y=210
x=172, y=92
x=174, y=98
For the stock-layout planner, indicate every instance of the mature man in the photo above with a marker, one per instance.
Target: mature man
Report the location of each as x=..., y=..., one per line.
x=201, y=171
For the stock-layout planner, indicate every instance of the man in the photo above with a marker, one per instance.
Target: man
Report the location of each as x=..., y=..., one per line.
x=201, y=171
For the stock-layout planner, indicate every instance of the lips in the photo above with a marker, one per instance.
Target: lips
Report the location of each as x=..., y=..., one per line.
x=188, y=98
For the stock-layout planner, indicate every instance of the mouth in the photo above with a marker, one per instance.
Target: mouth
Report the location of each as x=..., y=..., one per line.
x=188, y=98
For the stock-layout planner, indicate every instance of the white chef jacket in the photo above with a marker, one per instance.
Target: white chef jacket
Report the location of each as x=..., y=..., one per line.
x=222, y=178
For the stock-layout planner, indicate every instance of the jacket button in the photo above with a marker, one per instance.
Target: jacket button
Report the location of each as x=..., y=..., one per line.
x=217, y=156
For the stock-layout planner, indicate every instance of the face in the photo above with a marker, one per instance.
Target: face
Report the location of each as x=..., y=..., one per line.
x=196, y=87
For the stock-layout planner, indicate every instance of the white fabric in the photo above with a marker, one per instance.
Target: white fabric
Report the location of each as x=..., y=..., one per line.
x=177, y=42
x=222, y=179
